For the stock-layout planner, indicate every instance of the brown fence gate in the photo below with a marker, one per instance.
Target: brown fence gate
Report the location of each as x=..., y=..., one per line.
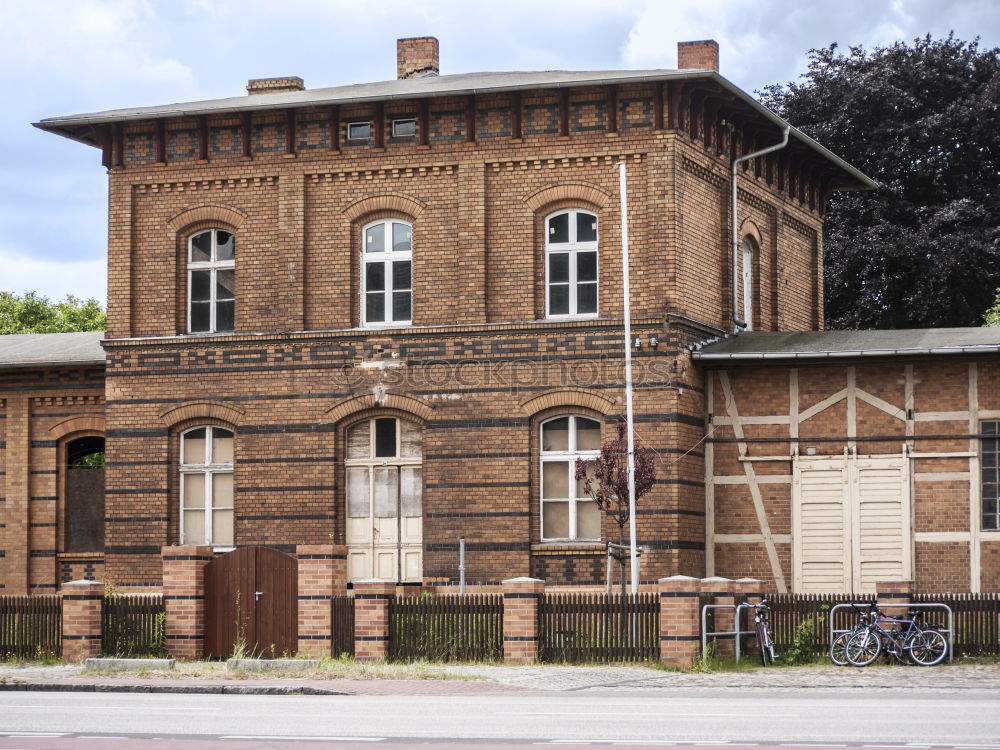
x=251, y=604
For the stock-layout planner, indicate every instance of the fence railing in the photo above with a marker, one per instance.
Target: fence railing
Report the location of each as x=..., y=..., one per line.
x=976, y=627
x=342, y=625
x=133, y=625
x=581, y=628
x=30, y=627
x=446, y=628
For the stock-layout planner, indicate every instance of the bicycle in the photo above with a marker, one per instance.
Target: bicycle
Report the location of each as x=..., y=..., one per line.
x=905, y=638
x=762, y=630
x=838, y=646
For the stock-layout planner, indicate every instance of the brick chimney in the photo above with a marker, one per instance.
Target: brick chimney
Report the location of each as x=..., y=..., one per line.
x=275, y=85
x=703, y=55
x=416, y=56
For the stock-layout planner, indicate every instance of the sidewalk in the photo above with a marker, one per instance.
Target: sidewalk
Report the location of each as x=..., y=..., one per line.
x=478, y=679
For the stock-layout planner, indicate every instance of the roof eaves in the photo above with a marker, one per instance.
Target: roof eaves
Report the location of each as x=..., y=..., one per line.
x=845, y=353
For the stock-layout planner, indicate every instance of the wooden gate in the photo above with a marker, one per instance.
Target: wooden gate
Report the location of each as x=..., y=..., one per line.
x=251, y=603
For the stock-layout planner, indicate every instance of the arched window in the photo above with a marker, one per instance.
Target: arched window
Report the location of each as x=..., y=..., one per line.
x=571, y=264
x=387, y=273
x=567, y=511
x=83, y=498
x=211, y=281
x=747, y=282
x=384, y=500
x=207, y=486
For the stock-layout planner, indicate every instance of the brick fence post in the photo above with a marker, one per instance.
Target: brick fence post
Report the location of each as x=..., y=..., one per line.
x=680, y=620
x=322, y=575
x=371, y=619
x=82, y=607
x=723, y=593
x=184, y=599
x=521, y=602
x=894, y=597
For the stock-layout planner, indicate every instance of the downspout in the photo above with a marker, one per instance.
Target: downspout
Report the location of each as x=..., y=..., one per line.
x=738, y=322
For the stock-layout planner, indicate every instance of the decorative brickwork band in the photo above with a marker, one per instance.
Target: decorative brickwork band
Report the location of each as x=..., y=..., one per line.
x=521, y=600
x=322, y=574
x=82, y=607
x=184, y=599
x=371, y=619
x=680, y=627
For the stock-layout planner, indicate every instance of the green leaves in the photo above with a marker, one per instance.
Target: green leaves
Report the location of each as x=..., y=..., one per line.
x=33, y=313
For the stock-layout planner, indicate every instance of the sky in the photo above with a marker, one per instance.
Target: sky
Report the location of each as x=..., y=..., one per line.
x=62, y=57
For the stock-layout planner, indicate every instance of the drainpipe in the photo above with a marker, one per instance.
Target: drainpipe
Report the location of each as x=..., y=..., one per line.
x=737, y=321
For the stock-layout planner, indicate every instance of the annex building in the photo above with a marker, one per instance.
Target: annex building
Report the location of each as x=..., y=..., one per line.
x=389, y=315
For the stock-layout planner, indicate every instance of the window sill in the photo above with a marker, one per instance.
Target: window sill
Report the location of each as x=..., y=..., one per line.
x=222, y=550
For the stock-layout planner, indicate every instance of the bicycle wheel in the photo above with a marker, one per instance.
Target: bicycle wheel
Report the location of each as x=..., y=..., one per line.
x=762, y=643
x=863, y=648
x=838, y=649
x=927, y=648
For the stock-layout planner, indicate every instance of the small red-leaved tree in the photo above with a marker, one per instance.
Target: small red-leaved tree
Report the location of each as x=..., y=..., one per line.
x=605, y=479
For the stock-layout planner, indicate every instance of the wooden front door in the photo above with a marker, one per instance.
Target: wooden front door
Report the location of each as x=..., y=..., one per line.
x=251, y=600
x=384, y=489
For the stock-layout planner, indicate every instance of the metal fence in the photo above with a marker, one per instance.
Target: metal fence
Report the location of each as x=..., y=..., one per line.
x=446, y=628
x=30, y=627
x=581, y=628
x=133, y=625
x=342, y=625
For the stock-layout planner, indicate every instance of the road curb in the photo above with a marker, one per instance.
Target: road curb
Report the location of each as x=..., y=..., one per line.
x=95, y=687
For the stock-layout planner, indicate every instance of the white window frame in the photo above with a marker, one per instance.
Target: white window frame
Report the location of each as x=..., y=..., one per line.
x=387, y=257
x=572, y=456
x=572, y=247
x=214, y=266
x=399, y=122
x=352, y=125
x=209, y=470
x=748, y=290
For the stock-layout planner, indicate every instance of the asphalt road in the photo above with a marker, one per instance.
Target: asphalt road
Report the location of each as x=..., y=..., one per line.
x=710, y=716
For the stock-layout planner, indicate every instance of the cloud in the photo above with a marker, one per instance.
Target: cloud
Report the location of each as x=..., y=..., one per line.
x=53, y=279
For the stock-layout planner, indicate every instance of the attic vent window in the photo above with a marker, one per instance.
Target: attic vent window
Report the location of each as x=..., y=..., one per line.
x=404, y=128
x=359, y=131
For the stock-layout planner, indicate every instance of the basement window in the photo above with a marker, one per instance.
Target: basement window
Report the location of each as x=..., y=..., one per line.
x=359, y=131
x=404, y=128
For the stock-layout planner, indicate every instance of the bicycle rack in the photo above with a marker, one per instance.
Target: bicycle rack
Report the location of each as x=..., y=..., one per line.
x=950, y=630
x=735, y=632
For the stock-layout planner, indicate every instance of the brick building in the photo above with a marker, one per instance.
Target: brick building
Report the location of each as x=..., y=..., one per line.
x=390, y=315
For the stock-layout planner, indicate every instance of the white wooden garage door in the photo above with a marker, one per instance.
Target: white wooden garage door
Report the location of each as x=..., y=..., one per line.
x=850, y=522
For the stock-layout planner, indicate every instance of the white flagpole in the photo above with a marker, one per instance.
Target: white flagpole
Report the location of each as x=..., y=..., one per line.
x=633, y=551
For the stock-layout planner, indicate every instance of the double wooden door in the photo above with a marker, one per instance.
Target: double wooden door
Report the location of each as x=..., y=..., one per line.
x=251, y=600
x=850, y=522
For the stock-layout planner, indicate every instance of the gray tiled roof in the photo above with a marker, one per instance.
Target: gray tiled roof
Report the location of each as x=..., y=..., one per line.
x=430, y=86
x=28, y=349
x=759, y=345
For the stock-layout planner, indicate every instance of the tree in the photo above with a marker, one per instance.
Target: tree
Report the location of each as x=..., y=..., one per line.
x=924, y=121
x=33, y=313
x=605, y=479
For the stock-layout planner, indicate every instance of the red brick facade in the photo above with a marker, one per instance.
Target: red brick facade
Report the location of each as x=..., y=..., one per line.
x=481, y=367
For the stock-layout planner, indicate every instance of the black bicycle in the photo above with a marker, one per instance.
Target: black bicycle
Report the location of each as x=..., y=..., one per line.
x=838, y=646
x=901, y=637
x=762, y=629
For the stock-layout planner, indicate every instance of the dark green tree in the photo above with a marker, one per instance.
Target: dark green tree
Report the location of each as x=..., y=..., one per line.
x=924, y=121
x=33, y=313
